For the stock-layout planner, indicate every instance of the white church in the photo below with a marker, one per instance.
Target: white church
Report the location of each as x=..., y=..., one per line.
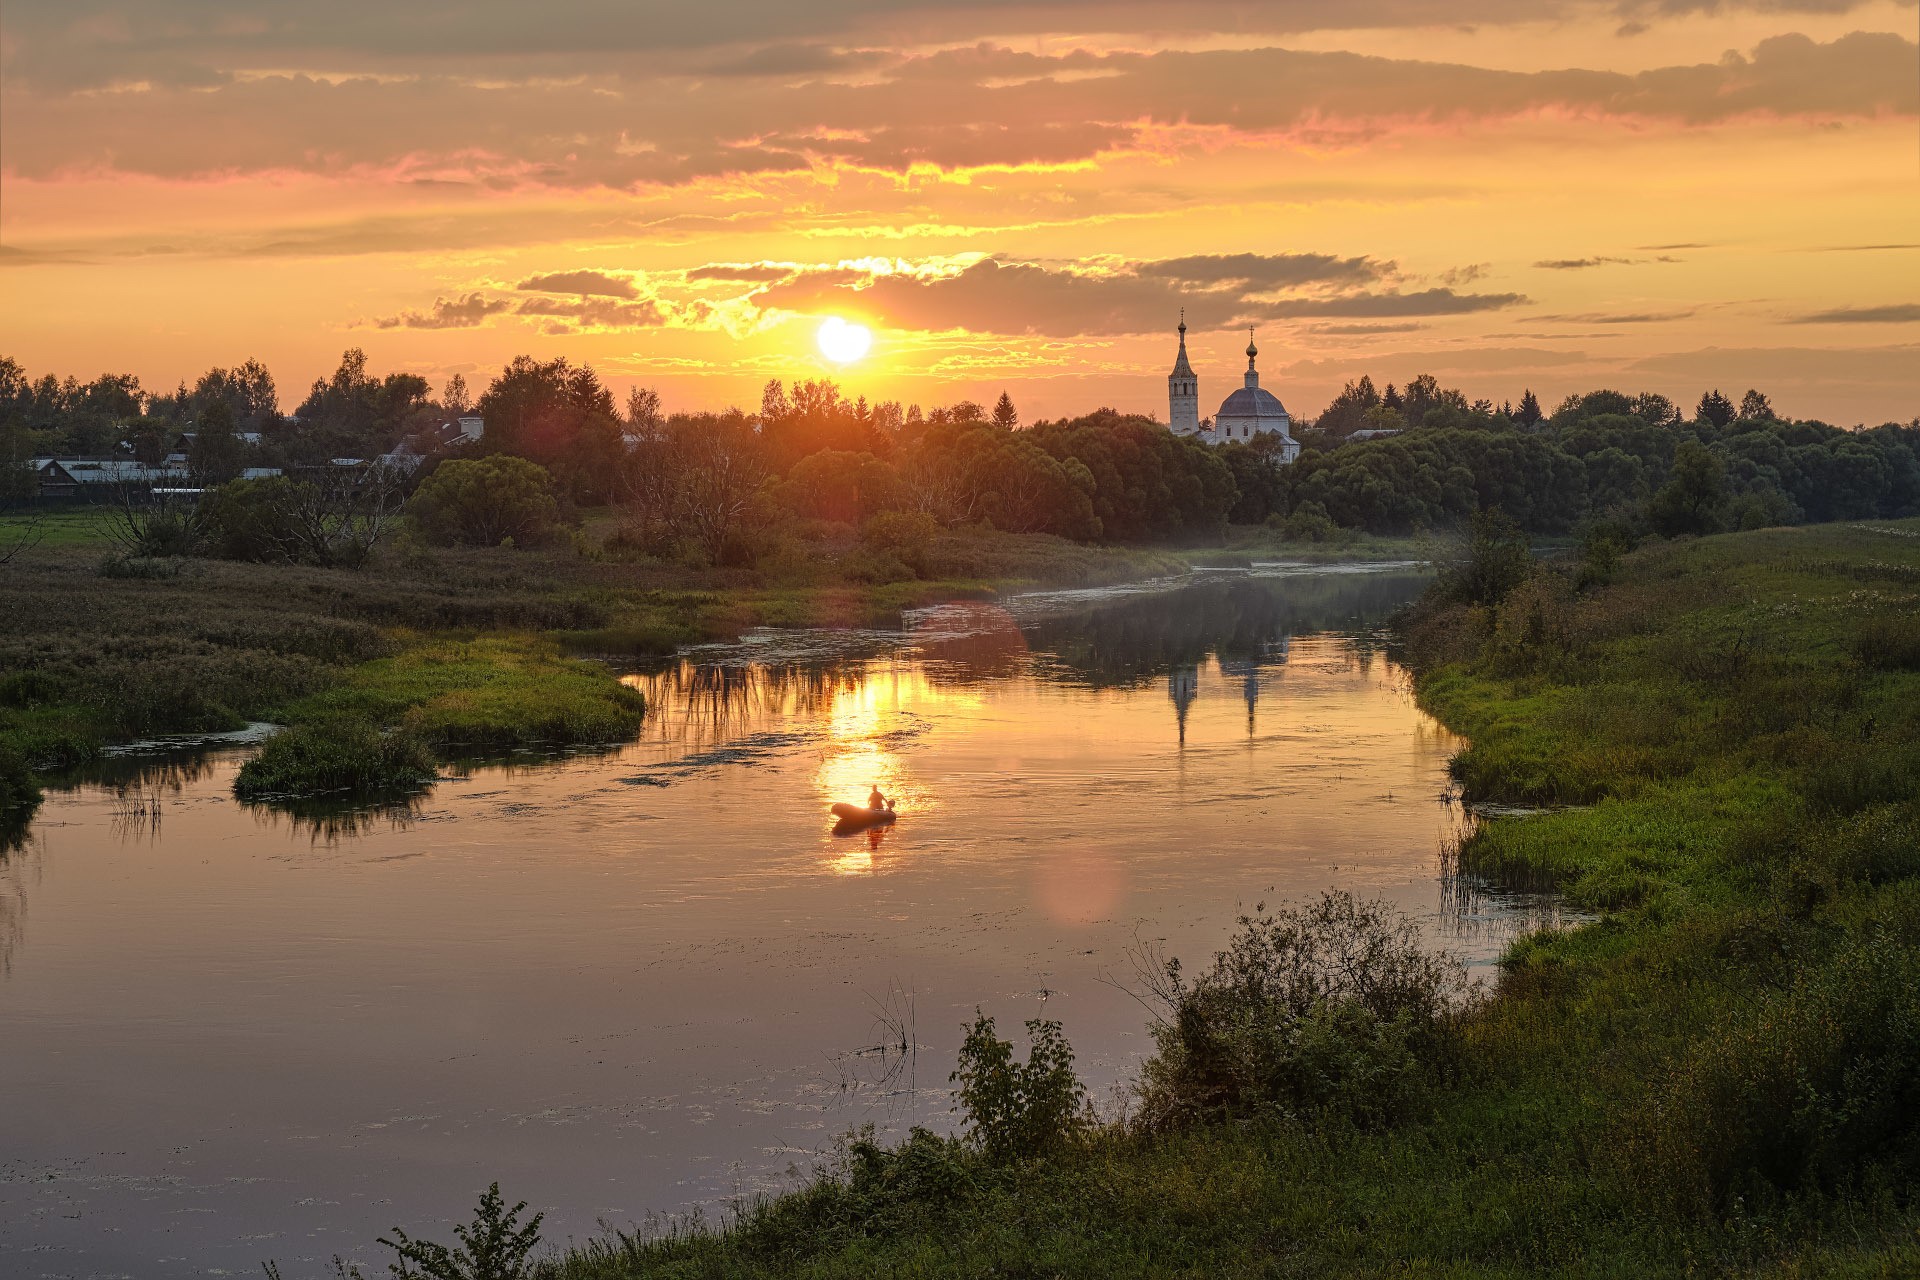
x=1250, y=412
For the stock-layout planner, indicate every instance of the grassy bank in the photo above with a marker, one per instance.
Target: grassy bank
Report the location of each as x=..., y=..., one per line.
x=1721, y=1076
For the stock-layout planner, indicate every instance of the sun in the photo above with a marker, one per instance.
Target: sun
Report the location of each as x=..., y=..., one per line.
x=841, y=342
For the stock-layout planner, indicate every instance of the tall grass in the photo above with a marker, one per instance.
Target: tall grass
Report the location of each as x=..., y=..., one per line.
x=342, y=757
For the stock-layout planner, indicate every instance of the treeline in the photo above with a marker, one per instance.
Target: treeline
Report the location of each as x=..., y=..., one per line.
x=721, y=485
x=1604, y=456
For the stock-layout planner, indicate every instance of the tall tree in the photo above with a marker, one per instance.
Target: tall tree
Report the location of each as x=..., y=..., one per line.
x=455, y=398
x=1005, y=416
x=643, y=410
x=216, y=454
x=1755, y=407
x=1715, y=409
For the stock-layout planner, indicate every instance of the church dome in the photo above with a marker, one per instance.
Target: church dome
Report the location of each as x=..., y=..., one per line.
x=1252, y=402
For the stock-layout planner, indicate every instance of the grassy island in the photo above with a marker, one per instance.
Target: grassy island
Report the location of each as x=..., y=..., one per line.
x=1720, y=1075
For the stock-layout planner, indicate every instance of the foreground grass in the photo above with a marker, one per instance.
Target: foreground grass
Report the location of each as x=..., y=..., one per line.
x=1720, y=1077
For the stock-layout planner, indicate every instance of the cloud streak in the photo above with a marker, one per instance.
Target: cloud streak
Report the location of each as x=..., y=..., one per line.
x=952, y=110
x=1892, y=313
x=1002, y=296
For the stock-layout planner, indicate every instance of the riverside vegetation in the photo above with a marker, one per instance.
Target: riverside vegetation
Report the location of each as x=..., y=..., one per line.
x=1719, y=1075
x=426, y=653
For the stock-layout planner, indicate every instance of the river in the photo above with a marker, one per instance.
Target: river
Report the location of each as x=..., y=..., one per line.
x=640, y=981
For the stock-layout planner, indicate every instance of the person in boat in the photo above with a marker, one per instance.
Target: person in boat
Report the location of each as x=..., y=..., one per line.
x=876, y=801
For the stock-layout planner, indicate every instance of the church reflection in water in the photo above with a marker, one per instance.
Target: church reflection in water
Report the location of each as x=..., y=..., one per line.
x=865, y=685
x=1183, y=682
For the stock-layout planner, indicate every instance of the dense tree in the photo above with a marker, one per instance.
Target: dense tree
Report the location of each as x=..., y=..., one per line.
x=1755, y=407
x=1715, y=409
x=643, y=411
x=454, y=397
x=561, y=416
x=1529, y=415
x=1348, y=412
x=1695, y=494
x=843, y=487
x=485, y=501
x=354, y=414
x=1005, y=416
x=217, y=454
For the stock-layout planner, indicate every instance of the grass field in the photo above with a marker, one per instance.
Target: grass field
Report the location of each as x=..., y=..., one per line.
x=55, y=529
x=1719, y=1077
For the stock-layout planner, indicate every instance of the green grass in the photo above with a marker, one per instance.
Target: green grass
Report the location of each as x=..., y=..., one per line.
x=57, y=529
x=341, y=758
x=488, y=692
x=1721, y=1076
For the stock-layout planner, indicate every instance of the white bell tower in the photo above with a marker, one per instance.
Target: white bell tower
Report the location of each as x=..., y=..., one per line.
x=1183, y=391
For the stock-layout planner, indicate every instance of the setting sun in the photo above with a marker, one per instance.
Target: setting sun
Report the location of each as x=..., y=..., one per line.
x=842, y=342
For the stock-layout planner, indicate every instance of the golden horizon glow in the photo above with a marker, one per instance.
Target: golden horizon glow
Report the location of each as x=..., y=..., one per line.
x=1716, y=197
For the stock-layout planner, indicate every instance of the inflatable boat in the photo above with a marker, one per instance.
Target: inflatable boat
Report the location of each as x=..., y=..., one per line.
x=854, y=817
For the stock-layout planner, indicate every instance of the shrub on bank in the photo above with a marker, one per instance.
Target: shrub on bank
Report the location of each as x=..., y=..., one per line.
x=19, y=793
x=342, y=757
x=1329, y=1009
x=1017, y=1110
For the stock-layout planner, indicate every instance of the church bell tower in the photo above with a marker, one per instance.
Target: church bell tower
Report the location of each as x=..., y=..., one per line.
x=1183, y=391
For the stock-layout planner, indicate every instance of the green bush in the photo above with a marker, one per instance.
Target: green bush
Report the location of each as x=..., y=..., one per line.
x=486, y=502
x=1309, y=522
x=343, y=757
x=1018, y=1110
x=1497, y=559
x=19, y=793
x=907, y=537
x=1329, y=1009
x=493, y=1247
x=1797, y=1089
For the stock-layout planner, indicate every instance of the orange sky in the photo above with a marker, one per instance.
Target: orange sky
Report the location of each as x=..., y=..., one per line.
x=1662, y=195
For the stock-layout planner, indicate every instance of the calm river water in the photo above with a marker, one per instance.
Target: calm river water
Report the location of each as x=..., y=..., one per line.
x=642, y=981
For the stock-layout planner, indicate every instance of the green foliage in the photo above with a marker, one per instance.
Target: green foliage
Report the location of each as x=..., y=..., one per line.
x=332, y=522
x=1715, y=409
x=1496, y=559
x=340, y=757
x=1333, y=1009
x=484, y=502
x=494, y=1246
x=487, y=693
x=840, y=486
x=19, y=793
x=1019, y=1110
x=1694, y=499
x=1796, y=1086
x=159, y=528
x=1308, y=522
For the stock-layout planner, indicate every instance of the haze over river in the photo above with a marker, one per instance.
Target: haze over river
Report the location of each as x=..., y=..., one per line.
x=652, y=978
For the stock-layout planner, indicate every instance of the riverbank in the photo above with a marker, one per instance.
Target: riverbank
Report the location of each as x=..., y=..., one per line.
x=474, y=649
x=1720, y=1076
